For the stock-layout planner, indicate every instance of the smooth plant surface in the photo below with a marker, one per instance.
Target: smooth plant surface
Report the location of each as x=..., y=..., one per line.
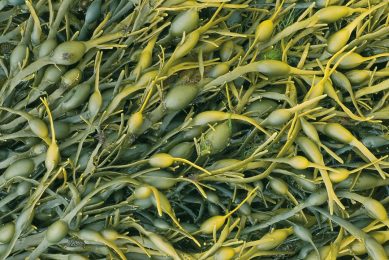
x=194, y=129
